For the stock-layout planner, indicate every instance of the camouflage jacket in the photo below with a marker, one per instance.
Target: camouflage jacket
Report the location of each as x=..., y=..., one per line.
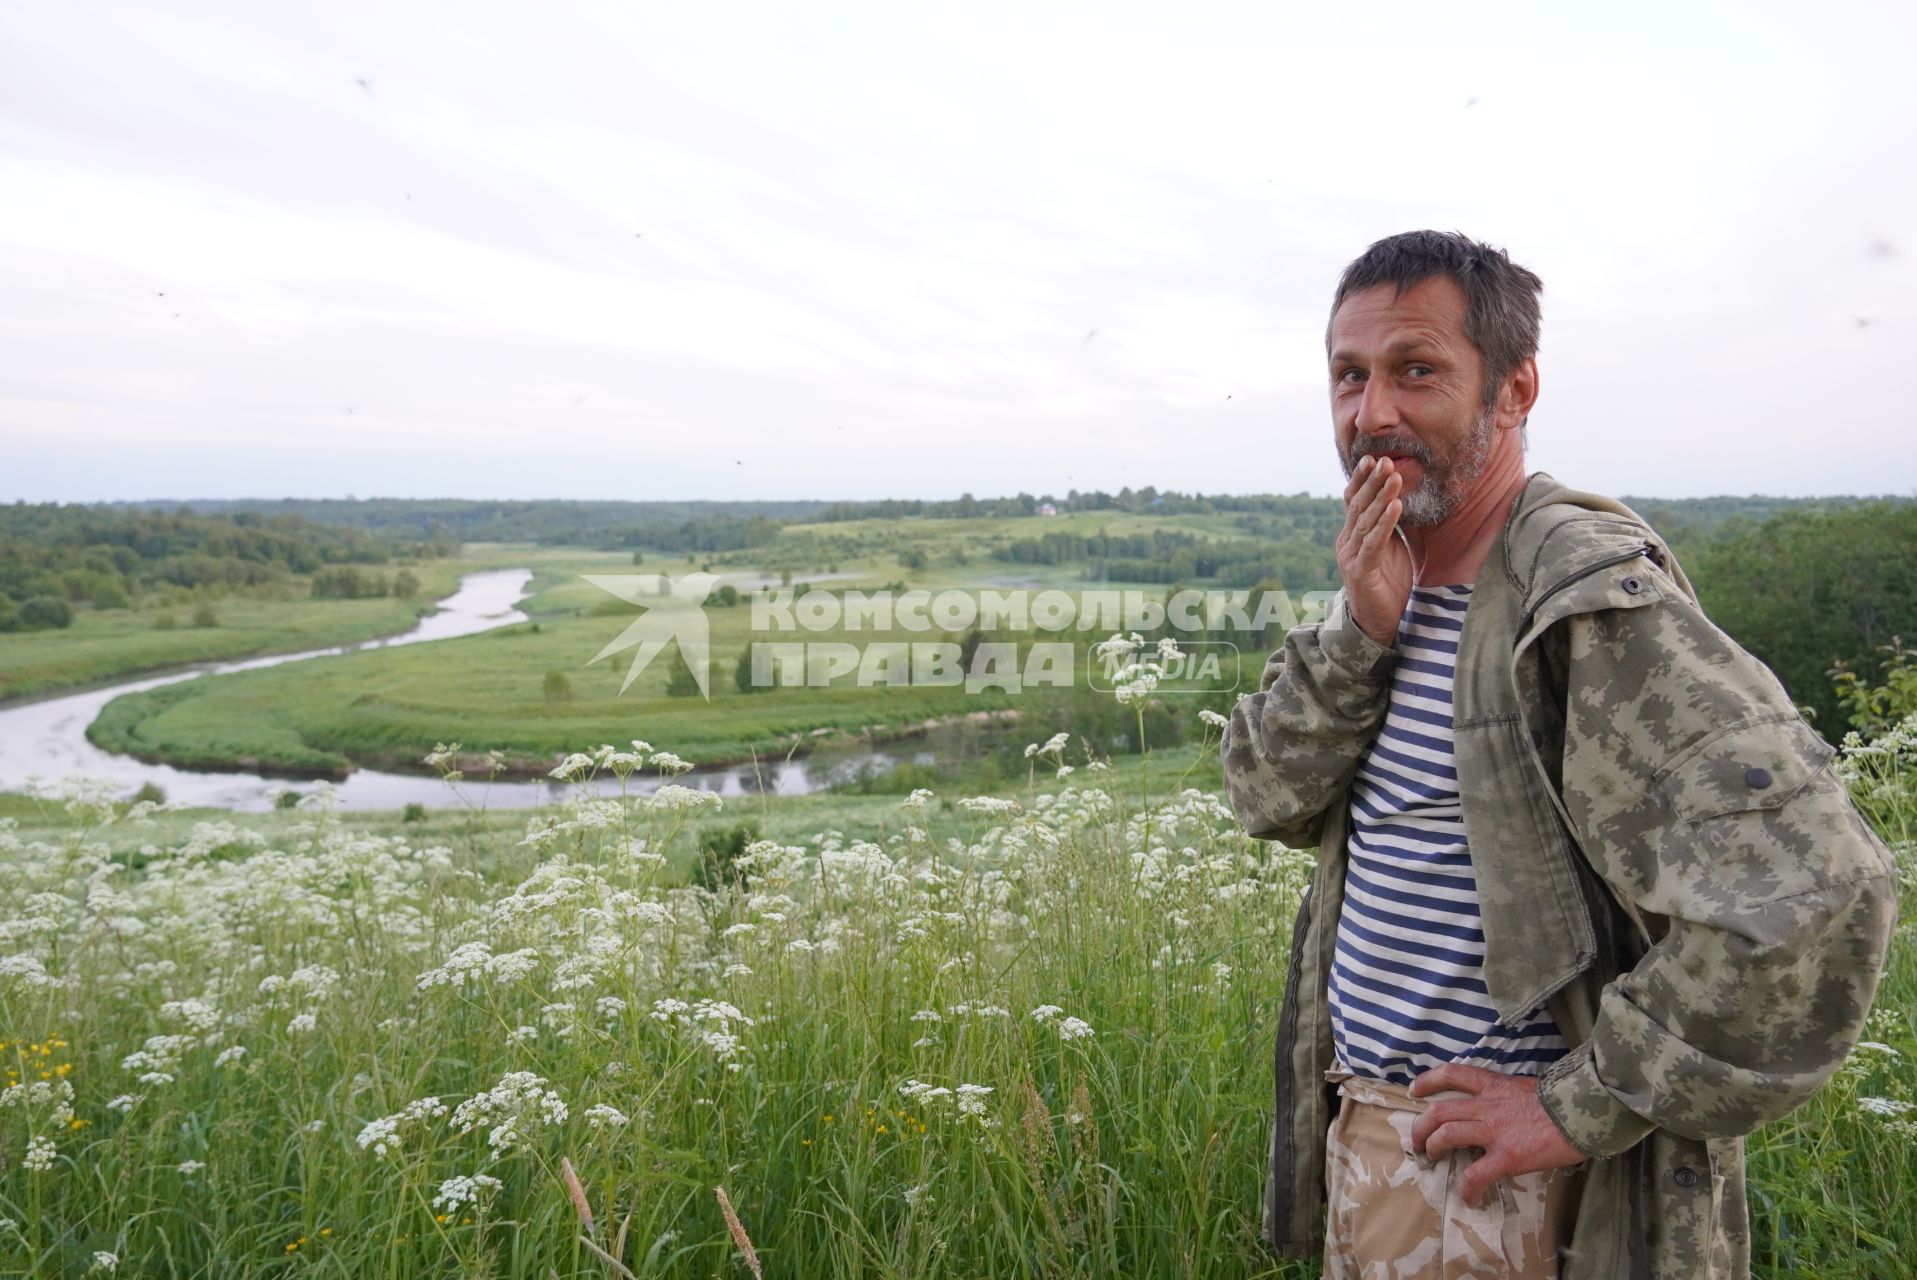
x=1664, y=857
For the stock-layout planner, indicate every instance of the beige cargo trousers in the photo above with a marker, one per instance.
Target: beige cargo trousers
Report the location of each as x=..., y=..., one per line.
x=1396, y=1215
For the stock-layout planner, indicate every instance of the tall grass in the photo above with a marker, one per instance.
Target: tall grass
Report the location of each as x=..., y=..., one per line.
x=1042, y=1049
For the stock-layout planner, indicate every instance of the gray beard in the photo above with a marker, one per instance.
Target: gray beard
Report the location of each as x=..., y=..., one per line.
x=1438, y=496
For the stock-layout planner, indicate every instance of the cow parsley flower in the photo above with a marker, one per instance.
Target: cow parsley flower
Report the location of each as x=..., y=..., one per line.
x=520, y=1101
x=382, y=1136
x=573, y=766
x=671, y=798
x=465, y=1189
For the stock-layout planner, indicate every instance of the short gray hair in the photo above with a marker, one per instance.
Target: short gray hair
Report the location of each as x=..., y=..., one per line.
x=1501, y=298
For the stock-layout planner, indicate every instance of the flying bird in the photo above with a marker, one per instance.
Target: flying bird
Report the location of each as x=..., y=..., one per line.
x=1469, y=103
x=363, y=83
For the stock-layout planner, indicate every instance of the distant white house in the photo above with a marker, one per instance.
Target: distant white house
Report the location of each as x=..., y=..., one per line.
x=1047, y=509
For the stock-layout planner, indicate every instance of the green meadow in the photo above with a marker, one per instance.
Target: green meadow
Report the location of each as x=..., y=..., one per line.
x=103, y=645
x=493, y=691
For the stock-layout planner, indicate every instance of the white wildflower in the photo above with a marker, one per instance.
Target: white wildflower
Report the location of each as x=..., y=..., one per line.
x=382, y=1136
x=672, y=797
x=463, y=1190
x=520, y=1101
x=921, y=1092
x=573, y=766
x=667, y=763
x=987, y=804
x=26, y=971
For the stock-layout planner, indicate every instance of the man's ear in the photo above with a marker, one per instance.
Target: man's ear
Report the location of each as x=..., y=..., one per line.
x=1518, y=394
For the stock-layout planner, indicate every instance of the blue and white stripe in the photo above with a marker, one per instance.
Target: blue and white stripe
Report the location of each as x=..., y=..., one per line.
x=1407, y=981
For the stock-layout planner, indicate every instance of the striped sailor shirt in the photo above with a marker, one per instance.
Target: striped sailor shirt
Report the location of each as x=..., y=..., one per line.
x=1407, y=986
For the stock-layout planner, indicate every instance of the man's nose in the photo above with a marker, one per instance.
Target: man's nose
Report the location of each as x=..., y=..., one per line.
x=1378, y=408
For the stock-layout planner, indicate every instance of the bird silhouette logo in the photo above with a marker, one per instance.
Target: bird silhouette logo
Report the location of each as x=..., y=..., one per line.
x=673, y=612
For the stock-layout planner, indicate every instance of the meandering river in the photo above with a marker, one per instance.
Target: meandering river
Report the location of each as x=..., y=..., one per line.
x=46, y=740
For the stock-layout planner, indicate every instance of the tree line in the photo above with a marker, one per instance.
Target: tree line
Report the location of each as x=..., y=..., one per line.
x=54, y=556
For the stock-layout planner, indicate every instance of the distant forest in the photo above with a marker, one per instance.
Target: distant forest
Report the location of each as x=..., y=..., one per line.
x=713, y=525
x=53, y=557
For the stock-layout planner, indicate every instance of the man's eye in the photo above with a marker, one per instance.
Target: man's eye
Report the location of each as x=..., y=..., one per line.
x=1421, y=370
x=1350, y=374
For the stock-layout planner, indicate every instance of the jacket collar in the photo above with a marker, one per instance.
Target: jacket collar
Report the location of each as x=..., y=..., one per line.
x=1555, y=534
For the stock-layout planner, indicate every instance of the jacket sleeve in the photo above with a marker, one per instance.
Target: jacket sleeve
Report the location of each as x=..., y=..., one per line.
x=1765, y=901
x=1292, y=747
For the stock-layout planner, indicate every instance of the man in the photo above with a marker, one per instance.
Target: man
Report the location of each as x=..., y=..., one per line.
x=1590, y=903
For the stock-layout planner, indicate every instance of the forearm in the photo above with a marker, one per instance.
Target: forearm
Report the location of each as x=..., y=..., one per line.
x=1291, y=748
x=1720, y=1029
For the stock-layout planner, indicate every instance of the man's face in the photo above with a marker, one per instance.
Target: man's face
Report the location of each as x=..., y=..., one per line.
x=1406, y=383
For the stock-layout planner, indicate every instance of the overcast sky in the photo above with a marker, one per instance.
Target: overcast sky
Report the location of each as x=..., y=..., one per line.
x=834, y=250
